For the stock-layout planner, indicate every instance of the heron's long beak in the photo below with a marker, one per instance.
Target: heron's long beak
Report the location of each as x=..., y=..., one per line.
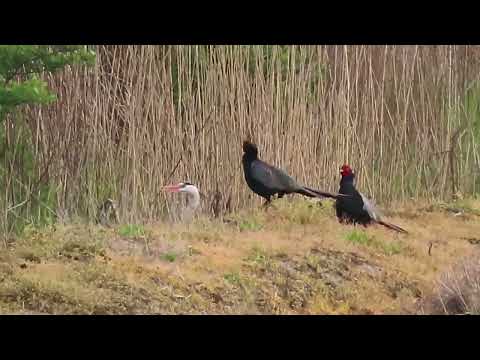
x=171, y=188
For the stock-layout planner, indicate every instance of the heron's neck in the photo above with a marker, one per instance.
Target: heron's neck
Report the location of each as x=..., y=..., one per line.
x=193, y=199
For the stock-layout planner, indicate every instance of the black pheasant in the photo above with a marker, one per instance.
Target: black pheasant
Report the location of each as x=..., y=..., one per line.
x=357, y=208
x=266, y=180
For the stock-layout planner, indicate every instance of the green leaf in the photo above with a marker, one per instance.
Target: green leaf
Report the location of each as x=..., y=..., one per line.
x=22, y=65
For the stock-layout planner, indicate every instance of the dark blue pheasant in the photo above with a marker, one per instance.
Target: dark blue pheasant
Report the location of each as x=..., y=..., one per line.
x=266, y=180
x=357, y=208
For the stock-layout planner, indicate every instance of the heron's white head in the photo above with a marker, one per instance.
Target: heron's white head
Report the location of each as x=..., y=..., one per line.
x=186, y=187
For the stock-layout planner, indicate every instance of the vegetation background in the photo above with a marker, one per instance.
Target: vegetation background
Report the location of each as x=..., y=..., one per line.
x=406, y=117
x=137, y=117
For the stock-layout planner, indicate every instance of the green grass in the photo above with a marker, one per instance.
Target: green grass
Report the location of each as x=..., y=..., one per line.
x=258, y=256
x=361, y=238
x=31, y=209
x=232, y=278
x=252, y=220
x=131, y=230
x=170, y=256
x=250, y=225
x=391, y=248
x=301, y=211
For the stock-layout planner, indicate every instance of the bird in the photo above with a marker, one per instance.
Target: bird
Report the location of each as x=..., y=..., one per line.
x=105, y=212
x=357, y=208
x=193, y=197
x=266, y=180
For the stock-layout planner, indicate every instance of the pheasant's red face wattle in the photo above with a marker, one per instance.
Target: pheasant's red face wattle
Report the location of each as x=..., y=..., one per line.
x=345, y=170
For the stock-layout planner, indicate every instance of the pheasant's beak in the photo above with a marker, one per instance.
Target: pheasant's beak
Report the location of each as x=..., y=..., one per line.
x=172, y=188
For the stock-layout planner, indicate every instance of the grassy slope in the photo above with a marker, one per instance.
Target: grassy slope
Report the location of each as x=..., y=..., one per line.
x=293, y=259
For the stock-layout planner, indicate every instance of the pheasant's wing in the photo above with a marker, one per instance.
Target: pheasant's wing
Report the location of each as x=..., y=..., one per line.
x=261, y=173
x=272, y=177
x=370, y=208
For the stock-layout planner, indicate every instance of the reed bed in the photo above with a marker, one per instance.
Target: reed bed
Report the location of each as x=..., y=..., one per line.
x=405, y=117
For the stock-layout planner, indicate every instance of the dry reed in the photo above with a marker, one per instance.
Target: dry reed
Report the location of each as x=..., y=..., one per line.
x=148, y=115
